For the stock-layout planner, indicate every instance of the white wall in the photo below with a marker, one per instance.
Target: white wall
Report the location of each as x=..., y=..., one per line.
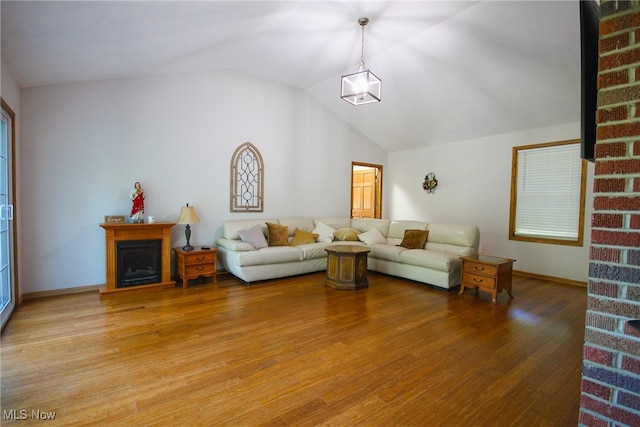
x=474, y=187
x=85, y=144
x=9, y=89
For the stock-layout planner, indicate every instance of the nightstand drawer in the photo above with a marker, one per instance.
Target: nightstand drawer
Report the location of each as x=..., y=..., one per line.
x=477, y=268
x=199, y=258
x=199, y=269
x=476, y=280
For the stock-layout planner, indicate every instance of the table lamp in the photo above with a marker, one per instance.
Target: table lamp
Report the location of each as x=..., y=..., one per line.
x=187, y=216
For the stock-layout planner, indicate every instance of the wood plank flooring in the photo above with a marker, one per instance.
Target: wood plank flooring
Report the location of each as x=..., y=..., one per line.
x=293, y=352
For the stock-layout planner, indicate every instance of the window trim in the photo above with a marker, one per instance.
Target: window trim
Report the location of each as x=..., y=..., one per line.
x=514, y=190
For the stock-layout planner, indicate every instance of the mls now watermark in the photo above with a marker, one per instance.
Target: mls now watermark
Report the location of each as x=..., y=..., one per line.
x=24, y=414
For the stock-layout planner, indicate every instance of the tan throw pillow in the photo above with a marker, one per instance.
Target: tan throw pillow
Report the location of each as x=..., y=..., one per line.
x=301, y=237
x=278, y=234
x=414, y=239
x=346, y=234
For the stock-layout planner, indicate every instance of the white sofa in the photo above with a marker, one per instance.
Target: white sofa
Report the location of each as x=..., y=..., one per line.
x=436, y=264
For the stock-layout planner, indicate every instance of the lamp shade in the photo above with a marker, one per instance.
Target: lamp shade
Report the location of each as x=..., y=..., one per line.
x=188, y=215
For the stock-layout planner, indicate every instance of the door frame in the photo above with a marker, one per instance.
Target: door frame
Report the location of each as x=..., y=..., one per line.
x=378, y=188
x=14, y=223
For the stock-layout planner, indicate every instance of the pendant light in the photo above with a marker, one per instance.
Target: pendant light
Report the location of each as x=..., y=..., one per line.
x=362, y=87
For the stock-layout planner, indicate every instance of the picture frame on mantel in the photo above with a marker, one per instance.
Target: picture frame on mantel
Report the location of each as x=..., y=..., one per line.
x=114, y=219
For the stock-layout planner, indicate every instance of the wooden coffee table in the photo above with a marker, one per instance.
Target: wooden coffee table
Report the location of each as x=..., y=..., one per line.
x=488, y=273
x=347, y=267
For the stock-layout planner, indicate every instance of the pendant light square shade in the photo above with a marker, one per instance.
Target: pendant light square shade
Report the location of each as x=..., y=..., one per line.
x=360, y=88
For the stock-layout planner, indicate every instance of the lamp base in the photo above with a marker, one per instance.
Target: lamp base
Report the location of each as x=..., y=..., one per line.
x=187, y=235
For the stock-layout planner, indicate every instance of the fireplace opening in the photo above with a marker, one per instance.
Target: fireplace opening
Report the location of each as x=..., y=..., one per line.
x=139, y=262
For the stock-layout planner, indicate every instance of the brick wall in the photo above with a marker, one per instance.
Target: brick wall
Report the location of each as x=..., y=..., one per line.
x=611, y=358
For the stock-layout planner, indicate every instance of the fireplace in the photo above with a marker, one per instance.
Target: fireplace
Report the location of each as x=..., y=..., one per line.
x=139, y=262
x=138, y=256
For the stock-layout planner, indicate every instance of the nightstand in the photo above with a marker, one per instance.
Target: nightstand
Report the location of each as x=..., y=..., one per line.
x=488, y=273
x=195, y=263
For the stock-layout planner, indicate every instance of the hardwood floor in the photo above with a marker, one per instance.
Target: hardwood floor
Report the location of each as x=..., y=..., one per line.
x=294, y=352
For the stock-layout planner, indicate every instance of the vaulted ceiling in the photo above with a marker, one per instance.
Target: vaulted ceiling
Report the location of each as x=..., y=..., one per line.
x=451, y=70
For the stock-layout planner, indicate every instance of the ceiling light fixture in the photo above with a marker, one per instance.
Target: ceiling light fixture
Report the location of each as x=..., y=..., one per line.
x=362, y=87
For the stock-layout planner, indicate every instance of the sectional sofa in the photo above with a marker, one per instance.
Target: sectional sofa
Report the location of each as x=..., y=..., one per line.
x=249, y=251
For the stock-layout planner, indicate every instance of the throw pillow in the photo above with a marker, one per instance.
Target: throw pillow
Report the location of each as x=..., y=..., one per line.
x=371, y=237
x=301, y=237
x=324, y=232
x=346, y=234
x=278, y=234
x=414, y=239
x=253, y=236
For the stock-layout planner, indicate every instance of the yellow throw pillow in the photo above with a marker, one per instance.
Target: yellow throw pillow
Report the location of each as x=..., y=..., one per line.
x=301, y=237
x=414, y=239
x=346, y=234
x=278, y=234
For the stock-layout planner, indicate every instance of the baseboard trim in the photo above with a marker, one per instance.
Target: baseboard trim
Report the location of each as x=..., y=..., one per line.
x=551, y=278
x=65, y=291
x=223, y=274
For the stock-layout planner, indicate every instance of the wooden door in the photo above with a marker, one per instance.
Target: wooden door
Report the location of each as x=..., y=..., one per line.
x=363, y=193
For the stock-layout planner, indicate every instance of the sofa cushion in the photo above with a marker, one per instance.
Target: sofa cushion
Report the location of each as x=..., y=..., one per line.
x=442, y=261
x=414, y=239
x=303, y=223
x=346, y=234
x=335, y=223
x=397, y=229
x=454, y=234
x=388, y=252
x=235, y=245
x=253, y=236
x=366, y=224
x=313, y=250
x=324, y=232
x=230, y=228
x=371, y=237
x=452, y=249
x=278, y=234
x=269, y=255
x=301, y=237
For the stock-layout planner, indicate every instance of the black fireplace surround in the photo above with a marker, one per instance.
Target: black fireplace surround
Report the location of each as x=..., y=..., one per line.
x=139, y=262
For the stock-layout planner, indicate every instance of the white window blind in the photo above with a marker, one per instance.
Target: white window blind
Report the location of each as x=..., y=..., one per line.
x=548, y=192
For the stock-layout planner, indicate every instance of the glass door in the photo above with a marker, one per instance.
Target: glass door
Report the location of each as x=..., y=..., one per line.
x=7, y=288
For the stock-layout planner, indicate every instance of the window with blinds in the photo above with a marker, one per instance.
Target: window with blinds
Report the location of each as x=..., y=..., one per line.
x=548, y=183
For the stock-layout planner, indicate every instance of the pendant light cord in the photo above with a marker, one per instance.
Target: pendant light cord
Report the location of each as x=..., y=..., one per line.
x=362, y=51
x=362, y=22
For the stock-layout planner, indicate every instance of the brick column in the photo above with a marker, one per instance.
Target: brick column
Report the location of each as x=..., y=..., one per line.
x=611, y=359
